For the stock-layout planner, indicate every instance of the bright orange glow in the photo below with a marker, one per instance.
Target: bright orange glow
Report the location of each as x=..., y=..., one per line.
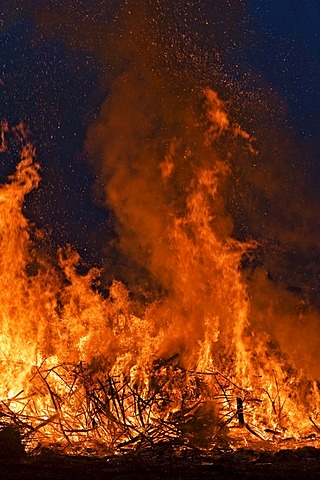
x=88, y=373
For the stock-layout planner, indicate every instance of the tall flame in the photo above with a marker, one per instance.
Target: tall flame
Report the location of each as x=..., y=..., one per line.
x=80, y=368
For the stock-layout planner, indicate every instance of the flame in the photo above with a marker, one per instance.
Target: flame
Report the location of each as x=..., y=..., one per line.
x=85, y=371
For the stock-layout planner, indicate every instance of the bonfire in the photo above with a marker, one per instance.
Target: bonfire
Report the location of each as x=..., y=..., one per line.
x=98, y=371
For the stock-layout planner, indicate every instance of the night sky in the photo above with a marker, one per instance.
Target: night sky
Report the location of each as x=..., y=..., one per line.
x=52, y=77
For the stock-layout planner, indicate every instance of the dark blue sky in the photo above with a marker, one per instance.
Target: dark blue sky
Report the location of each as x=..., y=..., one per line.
x=289, y=59
x=53, y=90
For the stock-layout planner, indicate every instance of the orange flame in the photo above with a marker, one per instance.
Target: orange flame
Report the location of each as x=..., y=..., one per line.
x=79, y=369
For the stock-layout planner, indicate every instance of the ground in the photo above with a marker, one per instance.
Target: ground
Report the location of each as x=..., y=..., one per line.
x=166, y=463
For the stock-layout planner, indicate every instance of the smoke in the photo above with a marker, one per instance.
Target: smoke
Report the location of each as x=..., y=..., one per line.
x=161, y=170
x=140, y=126
x=155, y=139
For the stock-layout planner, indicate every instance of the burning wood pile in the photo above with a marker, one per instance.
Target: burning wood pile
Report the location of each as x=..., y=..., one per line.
x=99, y=414
x=112, y=414
x=98, y=373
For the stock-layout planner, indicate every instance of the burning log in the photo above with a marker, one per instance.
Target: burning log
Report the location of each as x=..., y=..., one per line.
x=173, y=360
x=240, y=411
x=254, y=432
x=314, y=424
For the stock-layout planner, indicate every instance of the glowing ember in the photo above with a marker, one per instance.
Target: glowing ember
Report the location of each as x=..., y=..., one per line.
x=88, y=373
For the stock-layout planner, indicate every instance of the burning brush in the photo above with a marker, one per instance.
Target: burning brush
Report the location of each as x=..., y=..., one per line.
x=82, y=372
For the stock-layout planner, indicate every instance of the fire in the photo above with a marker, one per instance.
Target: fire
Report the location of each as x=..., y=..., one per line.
x=98, y=373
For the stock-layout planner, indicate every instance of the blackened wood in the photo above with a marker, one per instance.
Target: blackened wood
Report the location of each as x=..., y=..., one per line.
x=240, y=411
